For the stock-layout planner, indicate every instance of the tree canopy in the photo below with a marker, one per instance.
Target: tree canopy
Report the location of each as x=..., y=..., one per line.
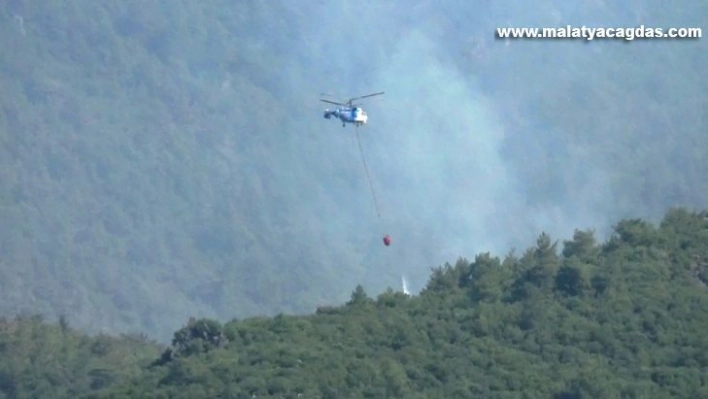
x=573, y=319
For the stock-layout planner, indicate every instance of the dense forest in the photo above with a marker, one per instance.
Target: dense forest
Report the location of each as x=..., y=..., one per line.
x=625, y=318
x=161, y=160
x=165, y=168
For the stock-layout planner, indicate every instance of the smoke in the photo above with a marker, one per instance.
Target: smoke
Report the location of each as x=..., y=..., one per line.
x=435, y=148
x=437, y=144
x=433, y=144
x=480, y=145
x=256, y=204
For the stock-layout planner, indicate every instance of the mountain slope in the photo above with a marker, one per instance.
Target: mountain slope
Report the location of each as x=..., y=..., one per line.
x=160, y=161
x=621, y=319
x=130, y=171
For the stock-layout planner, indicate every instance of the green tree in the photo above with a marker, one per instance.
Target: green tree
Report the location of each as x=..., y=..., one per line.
x=571, y=279
x=583, y=246
x=359, y=297
x=198, y=336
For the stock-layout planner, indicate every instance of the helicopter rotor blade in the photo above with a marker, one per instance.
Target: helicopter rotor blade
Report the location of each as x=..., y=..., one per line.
x=332, y=102
x=366, y=96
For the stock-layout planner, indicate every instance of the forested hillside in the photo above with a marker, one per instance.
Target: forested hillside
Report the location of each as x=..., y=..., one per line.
x=53, y=360
x=573, y=319
x=161, y=160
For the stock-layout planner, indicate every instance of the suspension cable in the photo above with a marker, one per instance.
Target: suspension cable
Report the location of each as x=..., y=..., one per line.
x=366, y=170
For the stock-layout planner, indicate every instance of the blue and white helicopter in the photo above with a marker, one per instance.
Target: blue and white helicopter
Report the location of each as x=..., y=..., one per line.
x=348, y=112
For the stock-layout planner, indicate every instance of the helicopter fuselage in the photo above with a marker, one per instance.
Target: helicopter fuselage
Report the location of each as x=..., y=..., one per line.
x=354, y=115
x=348, y=112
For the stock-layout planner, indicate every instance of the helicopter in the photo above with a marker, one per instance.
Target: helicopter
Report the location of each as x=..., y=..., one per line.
x=348, y=112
